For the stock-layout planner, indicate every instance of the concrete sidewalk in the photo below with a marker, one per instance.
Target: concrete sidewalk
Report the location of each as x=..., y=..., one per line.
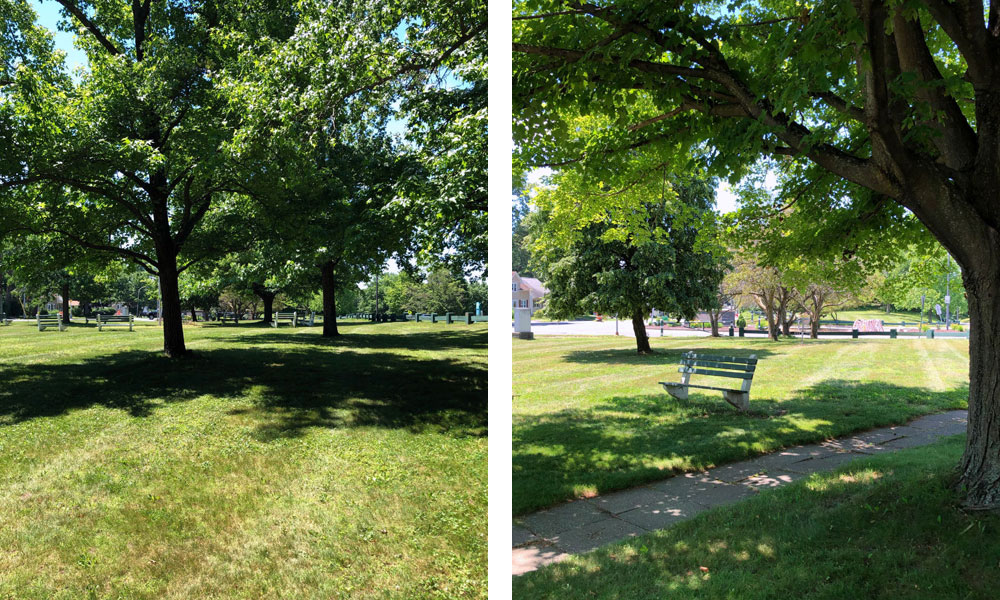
x=580, y=526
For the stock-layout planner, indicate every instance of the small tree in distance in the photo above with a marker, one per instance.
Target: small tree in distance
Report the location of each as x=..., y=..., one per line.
x=652, y=258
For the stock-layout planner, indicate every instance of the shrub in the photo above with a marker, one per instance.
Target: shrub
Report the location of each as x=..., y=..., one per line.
x=741, y=322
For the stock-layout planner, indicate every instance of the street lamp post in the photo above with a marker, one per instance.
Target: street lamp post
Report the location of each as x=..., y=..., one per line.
x=947, y=300
x=923, y=298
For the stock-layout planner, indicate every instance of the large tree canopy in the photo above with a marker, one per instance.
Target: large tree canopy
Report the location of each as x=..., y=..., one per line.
x=136, y=154
x=661, y=259
x=872, y=105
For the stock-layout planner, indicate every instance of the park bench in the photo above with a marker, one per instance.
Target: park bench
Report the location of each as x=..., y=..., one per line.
x=715, y=366
x=228, y=316
x=284, y=317
x=115, y=321
x=5, y=319
x=50, y=320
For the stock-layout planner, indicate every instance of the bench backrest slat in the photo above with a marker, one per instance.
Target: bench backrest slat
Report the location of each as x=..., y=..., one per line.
x=719, y=365
x=718, y=358
x=734, y=375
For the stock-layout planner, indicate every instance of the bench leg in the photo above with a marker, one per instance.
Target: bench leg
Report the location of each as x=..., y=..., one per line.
x=740, y=400
x=681, y=393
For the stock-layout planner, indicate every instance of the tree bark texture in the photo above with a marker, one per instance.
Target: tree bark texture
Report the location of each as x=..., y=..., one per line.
x=329, y=299
x=980, y=466
x=170, y=304
x=641, y=338
x=267, y=297
x=713, y=318
x=194, y=314
x=67, y=315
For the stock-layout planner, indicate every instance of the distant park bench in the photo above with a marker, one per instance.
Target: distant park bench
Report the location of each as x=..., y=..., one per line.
x=5, y=319
x=50, y=320
x=284, y=317
x=715, y=366
x=115, y=321
x=228, y=316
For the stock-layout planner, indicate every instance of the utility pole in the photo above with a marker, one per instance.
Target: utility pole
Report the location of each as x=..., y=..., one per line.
x=923, y=298
x=947, y=300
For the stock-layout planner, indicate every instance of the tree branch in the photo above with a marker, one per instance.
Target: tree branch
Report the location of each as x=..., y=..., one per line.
x=74, y=10
x=550, y=14
x=840, y=105
x=959, y=22
x=140, y=12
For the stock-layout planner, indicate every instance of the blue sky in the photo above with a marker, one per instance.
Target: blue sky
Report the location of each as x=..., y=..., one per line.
x=48, y=16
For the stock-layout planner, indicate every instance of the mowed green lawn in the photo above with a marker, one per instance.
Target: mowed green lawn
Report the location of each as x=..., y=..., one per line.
x=271, y=464
x=590, y=417
x=888, y=527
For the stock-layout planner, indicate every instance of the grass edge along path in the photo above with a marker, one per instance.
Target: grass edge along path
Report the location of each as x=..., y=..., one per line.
x=583, y=525
x=884, y=527
x=589, y=416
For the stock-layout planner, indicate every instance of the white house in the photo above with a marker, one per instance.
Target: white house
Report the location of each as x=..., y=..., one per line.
x=525, y=291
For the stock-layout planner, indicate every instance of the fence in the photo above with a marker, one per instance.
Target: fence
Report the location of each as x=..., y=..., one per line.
x=855, y=334
x=467, y=318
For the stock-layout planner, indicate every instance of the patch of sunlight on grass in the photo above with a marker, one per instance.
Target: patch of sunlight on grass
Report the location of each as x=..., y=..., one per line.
x=825, y=483
x=732, y=432
x=803, y=423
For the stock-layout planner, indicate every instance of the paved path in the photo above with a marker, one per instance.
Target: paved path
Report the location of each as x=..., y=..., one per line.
x=580, y=526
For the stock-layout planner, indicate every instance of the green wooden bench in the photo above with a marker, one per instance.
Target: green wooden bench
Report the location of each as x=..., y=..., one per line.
x=115, y=321
x=50, y=320
x=284, y=317
x=715, y=366
x=228, y=316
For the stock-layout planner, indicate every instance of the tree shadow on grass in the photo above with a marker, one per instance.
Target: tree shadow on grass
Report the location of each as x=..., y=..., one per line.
x=624, y=441
x=661, y=356
x=290, y=389
x=438, y=341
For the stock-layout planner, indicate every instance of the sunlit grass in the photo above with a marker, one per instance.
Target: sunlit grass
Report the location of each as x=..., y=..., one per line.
x=590, y=416
x=271, y=464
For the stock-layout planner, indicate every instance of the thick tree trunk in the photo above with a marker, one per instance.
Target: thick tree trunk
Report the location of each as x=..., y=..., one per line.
x=194, y=314
x=641, y=339
x=772, y=324
x=67, y=316
x=170, y=303
x=980, y=467
x=814, y=325
x=713, y=318
x=267, y=297
x=329, y=300
x=786, y=325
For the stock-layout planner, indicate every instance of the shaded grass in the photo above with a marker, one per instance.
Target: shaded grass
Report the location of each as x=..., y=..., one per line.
x=590, y=417
x=885, y=527
x=272, y=464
